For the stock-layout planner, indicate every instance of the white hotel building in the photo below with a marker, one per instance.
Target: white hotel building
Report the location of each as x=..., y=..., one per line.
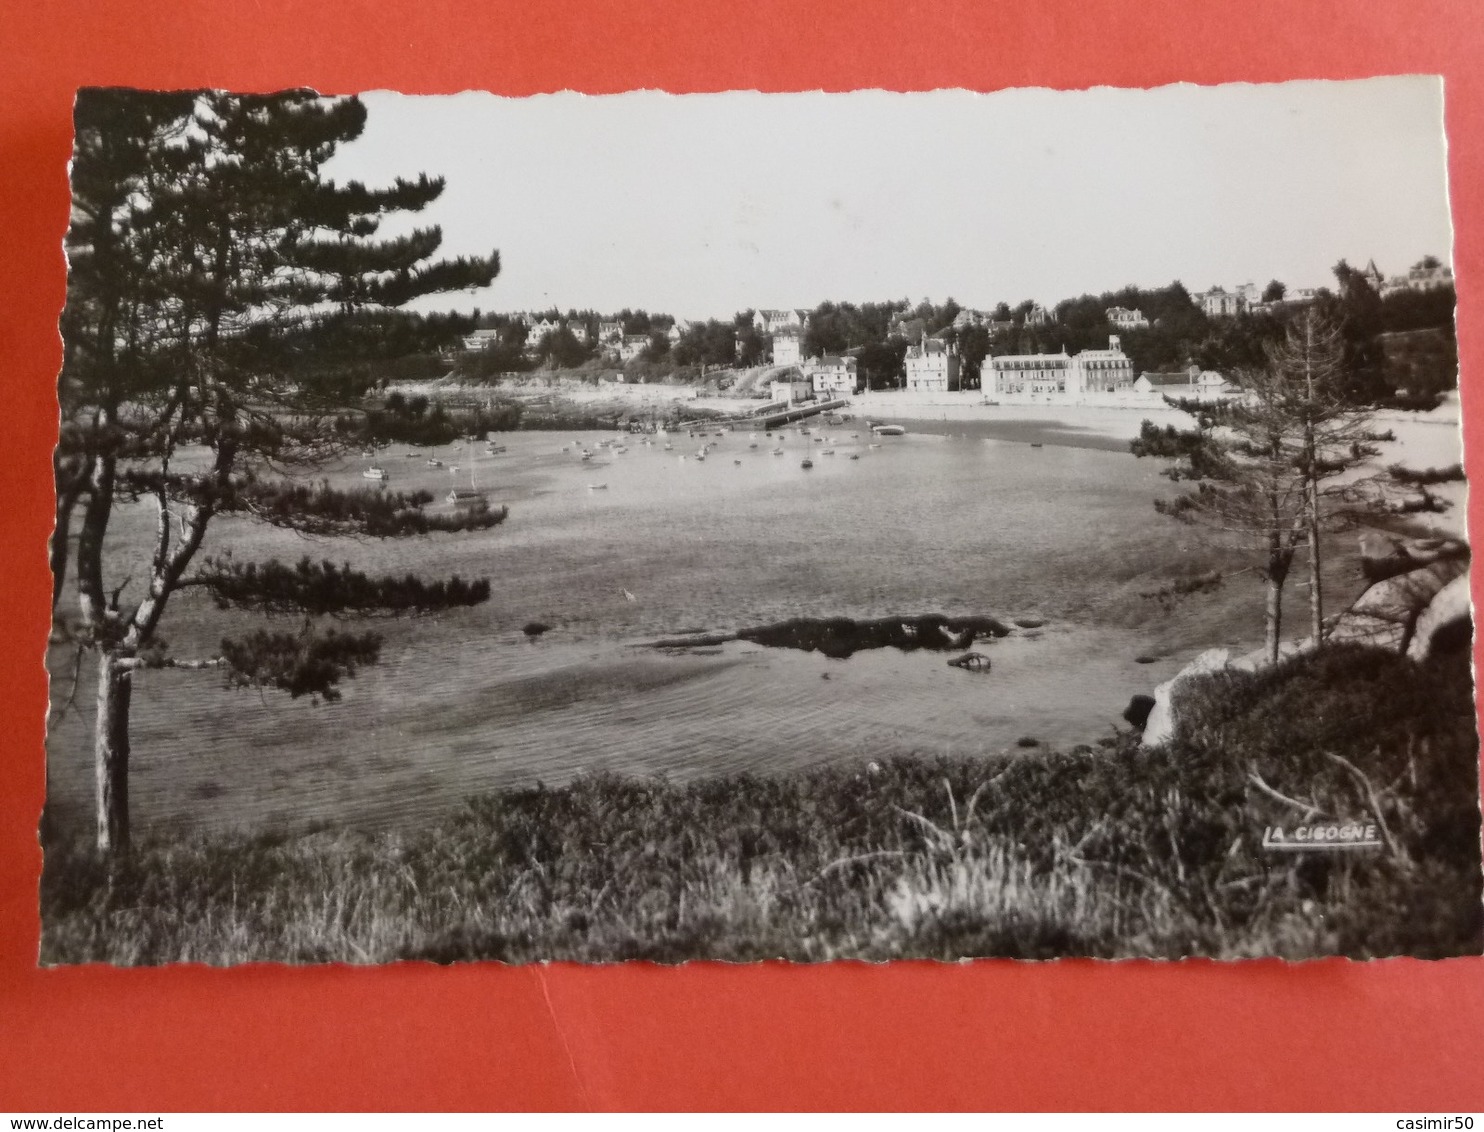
x=1091, y=371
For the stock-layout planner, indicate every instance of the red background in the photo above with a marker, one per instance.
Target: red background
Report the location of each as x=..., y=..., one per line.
x=1330, y=1035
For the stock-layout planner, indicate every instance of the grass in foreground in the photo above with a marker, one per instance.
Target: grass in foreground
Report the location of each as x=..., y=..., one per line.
x=1108, y=851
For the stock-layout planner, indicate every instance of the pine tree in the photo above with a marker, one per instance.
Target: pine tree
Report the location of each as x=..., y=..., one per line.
x=224, y=300
x=1272, y=467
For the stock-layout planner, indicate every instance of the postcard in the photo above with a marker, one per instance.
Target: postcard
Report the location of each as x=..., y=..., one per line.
x=750, y=526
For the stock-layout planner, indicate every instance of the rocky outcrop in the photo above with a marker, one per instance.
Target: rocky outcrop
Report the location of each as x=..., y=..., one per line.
x=1388, y=613
x=1385, y=555
x=1159, y=726
x=1418, y=604
x=1446, y=624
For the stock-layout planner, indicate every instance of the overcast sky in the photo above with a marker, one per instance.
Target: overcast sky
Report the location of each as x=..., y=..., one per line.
x=702, y=205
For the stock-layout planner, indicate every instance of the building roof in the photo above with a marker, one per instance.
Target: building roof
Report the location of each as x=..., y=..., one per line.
x=1184, y=377
x=1063, y=358
x=926, y=347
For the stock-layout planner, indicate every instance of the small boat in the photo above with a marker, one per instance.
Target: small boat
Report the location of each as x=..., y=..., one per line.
x=778, y=451
x=597, y=487
x=375, y=473
x=460, y=497
x=819, y=440
x=368, y=453
x=737, y=463
x=873, y=446
x=497, y=449
x=433, y=462
x=888, y=430
x=586, y=455
x=807, y=463
x=412, y=455
x=828, y=452
x=669, y=447
x=701, y=456
x=453, y=469
x=1035, y=444
x=752, y=446
x=855, y=455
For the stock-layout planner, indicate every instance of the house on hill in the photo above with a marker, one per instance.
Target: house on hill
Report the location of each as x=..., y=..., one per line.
x=1425, y=275
x=481, y=337
x=1126, y=319
x=1037, y=315
x=776, y=321
x=1218, y=302
x=633, y=346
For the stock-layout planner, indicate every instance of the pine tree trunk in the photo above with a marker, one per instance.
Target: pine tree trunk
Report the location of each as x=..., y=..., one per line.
x=1274, y=617
x=1316, y=590
x=111, y=755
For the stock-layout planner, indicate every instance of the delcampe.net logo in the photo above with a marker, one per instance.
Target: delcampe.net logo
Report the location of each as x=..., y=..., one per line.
x=1341, y=836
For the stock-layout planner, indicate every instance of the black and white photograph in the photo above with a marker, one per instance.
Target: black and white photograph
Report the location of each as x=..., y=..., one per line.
x=742, y=526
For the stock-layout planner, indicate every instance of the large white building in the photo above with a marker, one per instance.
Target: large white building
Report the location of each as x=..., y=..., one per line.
x=831, y=375
x=787, y=350
x=1027, y=373
x=1091, y=371
x=774, y=321
x=932, y=366
x=1103, y=371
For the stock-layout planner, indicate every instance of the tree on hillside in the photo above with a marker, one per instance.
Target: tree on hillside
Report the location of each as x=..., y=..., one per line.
x=1269, y=467
x=1357, y=310
x=224, y=300
x=1245, y=483
x=1335, y=436
x=1274, y=291
x=561, y=349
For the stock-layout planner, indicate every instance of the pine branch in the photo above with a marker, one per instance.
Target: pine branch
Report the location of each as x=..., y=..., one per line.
x=323, y=587
x=303, y=664
x=313, y=509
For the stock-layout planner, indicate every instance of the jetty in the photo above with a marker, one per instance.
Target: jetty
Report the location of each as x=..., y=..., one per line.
x=771, y=416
